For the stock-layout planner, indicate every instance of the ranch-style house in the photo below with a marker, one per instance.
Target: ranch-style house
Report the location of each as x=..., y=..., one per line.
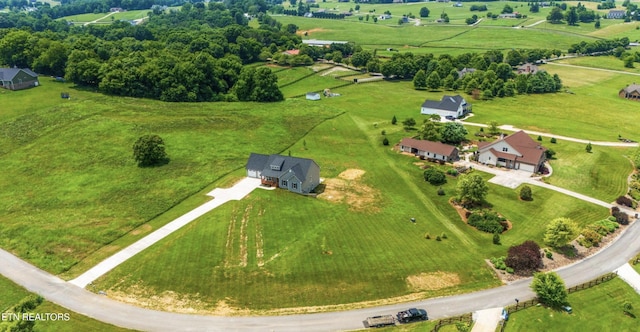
x=429, y=150
x=631, y=92
x=18, y=79
x=516, y=151
x=452, y=106
x=299, y=175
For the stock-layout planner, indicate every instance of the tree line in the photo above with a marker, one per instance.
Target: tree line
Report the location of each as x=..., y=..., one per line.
x=197, y=53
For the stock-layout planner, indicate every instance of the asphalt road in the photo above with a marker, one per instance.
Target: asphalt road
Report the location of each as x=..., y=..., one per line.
x=104, y=309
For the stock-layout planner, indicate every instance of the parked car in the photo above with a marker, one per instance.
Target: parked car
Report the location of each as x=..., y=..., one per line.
x=450, y=117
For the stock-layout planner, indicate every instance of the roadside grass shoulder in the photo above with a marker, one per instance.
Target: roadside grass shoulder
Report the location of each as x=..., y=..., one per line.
x=76, y=322
x=594, y=309
x=11, y=293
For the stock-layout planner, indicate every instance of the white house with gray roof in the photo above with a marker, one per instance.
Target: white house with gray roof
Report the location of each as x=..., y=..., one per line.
x=299, y=175
x=452, y=106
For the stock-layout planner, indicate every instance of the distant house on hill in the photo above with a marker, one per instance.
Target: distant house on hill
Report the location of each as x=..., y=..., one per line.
x=527, y=68
x=508, y=15
x=299, y=175
x=465, y=71
x=429, y=150
x=631, y=92
x=616, y=14
x=449, y=106
x=291, y=52
x=516, y=151
x=116, y=10
x=384, y=17
x=18, y=79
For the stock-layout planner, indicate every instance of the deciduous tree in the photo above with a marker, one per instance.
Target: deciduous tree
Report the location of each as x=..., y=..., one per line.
x=524, y=257
x=149, y=150
x=420, y=80
x=471, y=189
x=453, y=133
x=560, y=231
x=550, y=289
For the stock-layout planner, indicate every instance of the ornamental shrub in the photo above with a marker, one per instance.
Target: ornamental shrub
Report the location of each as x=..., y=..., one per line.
x=435, y=176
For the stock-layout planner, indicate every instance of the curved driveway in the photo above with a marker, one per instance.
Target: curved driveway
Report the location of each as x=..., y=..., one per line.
x=104, y=309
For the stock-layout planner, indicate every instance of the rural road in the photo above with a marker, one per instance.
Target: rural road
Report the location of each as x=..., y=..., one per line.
x=104, y=309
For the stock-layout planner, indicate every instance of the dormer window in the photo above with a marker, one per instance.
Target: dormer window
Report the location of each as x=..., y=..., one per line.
x=505, y=149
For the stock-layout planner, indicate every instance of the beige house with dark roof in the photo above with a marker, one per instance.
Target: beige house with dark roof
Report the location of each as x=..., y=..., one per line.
x=516, y=151
x=429, y=150
x=631, y=92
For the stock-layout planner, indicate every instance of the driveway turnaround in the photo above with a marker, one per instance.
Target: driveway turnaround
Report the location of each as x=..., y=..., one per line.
x=221, y=196
x=487, y=320
x=110, y=311
x=630, y=276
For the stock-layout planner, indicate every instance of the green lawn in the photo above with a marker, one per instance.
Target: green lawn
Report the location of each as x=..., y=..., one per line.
x=11, y=294
x=595, y=309
x=65, y=198
x=601, y=174
x=82, y=18
x=604, y=62
x=127, y=16
x=277, y=240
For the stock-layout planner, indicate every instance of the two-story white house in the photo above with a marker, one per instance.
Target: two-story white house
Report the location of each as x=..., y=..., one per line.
x=516, y=151
x=449, y=106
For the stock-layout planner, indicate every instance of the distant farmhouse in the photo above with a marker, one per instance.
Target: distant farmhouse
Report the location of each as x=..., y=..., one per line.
x=299, y=175
x=528, y=68
x=616, y=13
x=465, y=71
x=429, y=150
x=18, y=79
x=631, y=92
x=509, y=15
x=516, y=151
x=449, y=106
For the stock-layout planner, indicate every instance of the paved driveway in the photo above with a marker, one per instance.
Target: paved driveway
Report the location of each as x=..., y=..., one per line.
x=220, y=196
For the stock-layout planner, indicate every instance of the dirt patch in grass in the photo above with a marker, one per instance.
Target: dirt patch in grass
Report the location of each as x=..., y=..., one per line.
x=310, y=31
x=172, y=302
x=433, y=281
x=146, y=228
x=347, y=188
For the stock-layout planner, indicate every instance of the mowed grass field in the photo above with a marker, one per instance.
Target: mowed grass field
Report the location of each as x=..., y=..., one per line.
x=66, y=197
x=349, y=247
x=595, y=309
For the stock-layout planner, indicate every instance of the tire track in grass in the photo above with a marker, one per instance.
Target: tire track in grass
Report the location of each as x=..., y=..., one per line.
x=244, y=237
x=409, y=184
x=229, y=244
x=259, y=240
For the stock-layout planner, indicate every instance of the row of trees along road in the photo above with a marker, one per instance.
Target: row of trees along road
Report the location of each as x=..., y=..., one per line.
x=197, y=53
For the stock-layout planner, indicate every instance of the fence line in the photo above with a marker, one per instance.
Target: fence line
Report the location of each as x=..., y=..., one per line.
x=526, y=304
x=451, y=320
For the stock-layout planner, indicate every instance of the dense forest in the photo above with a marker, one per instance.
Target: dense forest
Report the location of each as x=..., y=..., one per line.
x=197, y=53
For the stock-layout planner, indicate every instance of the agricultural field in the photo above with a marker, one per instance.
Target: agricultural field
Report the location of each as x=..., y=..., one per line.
x=593, y=310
